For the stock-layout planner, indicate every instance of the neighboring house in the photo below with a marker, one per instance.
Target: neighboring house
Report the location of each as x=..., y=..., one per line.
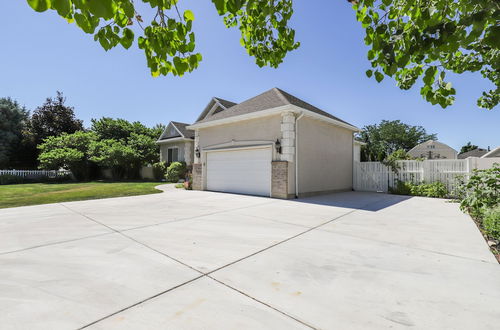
x=433, y=150
x=273, y=144
x=493, y=153
x=176, y=143
x=478, y=152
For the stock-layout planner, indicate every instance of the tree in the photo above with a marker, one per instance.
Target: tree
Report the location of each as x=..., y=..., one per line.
x=53, y=118
x=468, y=147
x=430, y=38
x=13, y=120
x=409, y=39
x=121, y=158
x=68, y=151
x=389, y=136
x=168, y=41
x=117, y=129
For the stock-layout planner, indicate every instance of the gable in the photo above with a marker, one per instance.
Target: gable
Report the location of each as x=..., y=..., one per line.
x=170, y=132
x=216, y=105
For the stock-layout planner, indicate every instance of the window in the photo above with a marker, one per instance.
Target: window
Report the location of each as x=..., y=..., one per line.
x=172, y=155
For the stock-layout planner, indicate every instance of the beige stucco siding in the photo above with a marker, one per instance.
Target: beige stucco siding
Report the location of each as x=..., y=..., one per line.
x=246, y=132
x=185, y=149
x=267, y=128
x=325, y=154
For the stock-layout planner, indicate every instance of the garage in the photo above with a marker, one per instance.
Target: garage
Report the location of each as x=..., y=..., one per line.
x=241, y=171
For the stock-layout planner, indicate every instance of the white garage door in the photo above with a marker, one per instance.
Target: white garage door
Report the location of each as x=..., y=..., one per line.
x=243, y=171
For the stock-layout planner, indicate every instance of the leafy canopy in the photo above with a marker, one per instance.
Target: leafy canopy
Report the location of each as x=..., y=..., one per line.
x=429, y=38
x=68, y=151
x=468, y=147
x=53, y=118
x=409, y=39
x=167, y=39
x=13, y=120
x=388, y=137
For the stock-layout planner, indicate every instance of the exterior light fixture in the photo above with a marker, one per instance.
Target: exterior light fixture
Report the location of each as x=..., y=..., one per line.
x=277, y=145
x=197, y=152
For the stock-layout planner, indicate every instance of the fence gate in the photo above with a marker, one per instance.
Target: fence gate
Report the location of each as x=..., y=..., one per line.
x=371, y=176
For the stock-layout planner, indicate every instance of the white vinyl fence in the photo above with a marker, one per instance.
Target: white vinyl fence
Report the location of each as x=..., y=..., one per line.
x=36, y=173
x=375, y=176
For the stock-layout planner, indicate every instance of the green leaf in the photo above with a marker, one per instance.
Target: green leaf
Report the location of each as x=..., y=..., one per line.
x=379, y=76
x=369, y=73
x=39, y=5
x=188, y=15
x=127, y=39
x=102, y=8
x=63, y=7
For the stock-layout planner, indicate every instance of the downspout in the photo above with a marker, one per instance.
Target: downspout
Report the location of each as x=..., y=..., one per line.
x=297, y=155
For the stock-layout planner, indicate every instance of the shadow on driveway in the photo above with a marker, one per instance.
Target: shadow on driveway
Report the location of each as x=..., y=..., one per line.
x=366, y=201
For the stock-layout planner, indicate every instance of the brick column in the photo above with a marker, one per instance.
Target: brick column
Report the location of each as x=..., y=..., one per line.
x=279, y=181
x=197, y=176
x=287, y=137
x=196, y=160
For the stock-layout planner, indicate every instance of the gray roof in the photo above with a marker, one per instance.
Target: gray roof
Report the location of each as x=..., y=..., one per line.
x=478, y=152
x=271, y=99
x=189, y=134
x=225, y=103
x=181, y=127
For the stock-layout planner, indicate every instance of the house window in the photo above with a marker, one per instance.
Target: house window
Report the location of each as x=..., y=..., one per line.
x=172, y=155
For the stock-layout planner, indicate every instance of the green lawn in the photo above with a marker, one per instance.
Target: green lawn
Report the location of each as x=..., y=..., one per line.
x=43, y=193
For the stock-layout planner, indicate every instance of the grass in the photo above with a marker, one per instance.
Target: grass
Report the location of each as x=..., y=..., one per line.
x=43, y=193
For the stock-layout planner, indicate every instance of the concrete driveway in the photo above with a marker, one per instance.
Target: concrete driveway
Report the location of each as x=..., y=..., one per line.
x=203, y=260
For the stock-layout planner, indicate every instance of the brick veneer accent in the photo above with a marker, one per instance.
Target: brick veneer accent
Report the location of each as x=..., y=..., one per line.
x=197, y=177
x=279, y=181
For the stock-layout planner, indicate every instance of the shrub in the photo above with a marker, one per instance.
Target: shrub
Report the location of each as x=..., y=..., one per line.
x=176, y=171
x=159, y=170
x=481, y=191
x=11, y=179
x=491, y=222
x=435, y=189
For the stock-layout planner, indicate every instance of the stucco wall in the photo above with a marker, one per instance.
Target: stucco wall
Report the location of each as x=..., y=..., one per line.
x=260, y=129
x=181, y=145
x=267, y=128
x=325, y=154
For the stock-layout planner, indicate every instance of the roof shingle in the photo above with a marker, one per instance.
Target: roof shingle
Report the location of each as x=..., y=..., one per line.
x=272, y=98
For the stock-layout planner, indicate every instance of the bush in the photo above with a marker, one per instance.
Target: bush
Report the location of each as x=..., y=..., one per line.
x=481, y=191
x=491, y=222
x=159, y=170
x=435, y=189
x=11, y=179
x=16, y=179
x=176, y=171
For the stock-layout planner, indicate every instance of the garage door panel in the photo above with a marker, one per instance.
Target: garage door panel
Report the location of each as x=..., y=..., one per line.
x=245, y=171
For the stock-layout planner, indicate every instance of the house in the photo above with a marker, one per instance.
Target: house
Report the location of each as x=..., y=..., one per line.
x=478, y=152
x=493, y=153
x=176, y=143
x=273, y=144
x=433, y=150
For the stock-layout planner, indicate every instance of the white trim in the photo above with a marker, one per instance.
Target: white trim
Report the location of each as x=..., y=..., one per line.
x=492, y=151
x=270, y=112
x=177, y=129
x=171, y=161
x=359, y=142
x=177, y=139
x=251, y=115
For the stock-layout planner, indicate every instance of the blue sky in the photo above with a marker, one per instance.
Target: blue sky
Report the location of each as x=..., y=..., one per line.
x=41, y=53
